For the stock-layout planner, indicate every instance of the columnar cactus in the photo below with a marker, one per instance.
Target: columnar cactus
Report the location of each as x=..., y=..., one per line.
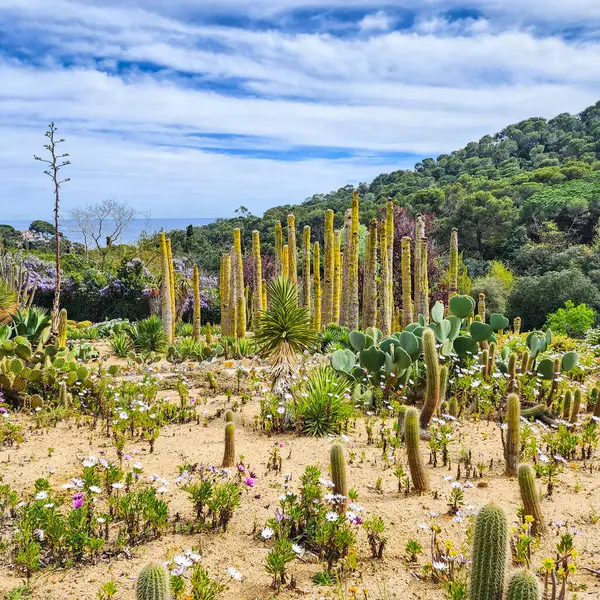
x=453, y=407
x=530, y=498
x=417, y=263
x=306, y=267
x=512, y=372
x=337, y=277
x=489, y=555
x=485, y=362
x=62, y=328
x=264, y=294
x=524, y=361
x=397, y=320
x=229, y=417
x=432, y=381
x=153, y=583
x=285, y=261
x=328, y=270
x=424, y=309
x=226, y=294
x=407, y=305
x=576, y=406
x=229, y=454
x=196, y=317
x=278, y=249
x=567, y=405
x=597, y=406
x=453, y=266
x=512, y=447
x=385, y=306
x=338, y=475
x=345, y=301
x=481, y=307
x=517, y=325
x=208, y=334
x=443, y=382
x=166, y=313
x=292, y=250
x=418, y=474
x=389, y=227
x=257, y=295
x=370, y=278
x=63, y=394
x=316, y=315
x=492, y=358
x=172, y=287
x=523, y=586
x=240, y=299
x=352, y=292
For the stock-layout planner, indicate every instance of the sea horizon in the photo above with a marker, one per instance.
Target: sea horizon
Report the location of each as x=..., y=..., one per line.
x=135, y=228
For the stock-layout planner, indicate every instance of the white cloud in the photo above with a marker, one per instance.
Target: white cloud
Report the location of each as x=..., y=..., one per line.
x=378, y=21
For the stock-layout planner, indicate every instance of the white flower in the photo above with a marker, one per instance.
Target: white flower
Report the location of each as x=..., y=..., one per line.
x=234, y=574
x=101, y=519
x=440, y=566
x=118, y=486
x=280, y=409
x=163, y=489
x=183, y=561
x=332, y=516
x=95, y=489
x=138, y=465
x=41, y=495
x=267, y=533
x=123, y=415
x=298, y=550
x=90, y=462
x=39, y=533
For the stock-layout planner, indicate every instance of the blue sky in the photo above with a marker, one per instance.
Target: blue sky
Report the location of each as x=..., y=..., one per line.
x=190, y=108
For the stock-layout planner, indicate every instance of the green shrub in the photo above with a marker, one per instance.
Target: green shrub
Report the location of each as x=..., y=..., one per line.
x=149, y=335
x=572, y=320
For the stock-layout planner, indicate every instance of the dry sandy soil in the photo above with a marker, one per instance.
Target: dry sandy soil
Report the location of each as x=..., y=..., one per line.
x=574, y=499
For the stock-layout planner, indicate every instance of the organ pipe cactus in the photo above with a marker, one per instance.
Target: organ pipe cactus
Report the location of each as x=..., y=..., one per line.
x=453, y=266
x=531, y=499
x=292, y=250
x=576, y=406
x=328, y=270
x=512, y=447
x=407, y=305
x=153, y=583
x=418, y=474
x=443, y=382
x=523, y=586
x=432, y=381
x=337, y=277
x=512, y=372
x=338, y=475
x=306, y=267
x=196, y=317
x=257, y=295
x=316, y=314
x=489, y=555
x=285, y=262
x=166, y=312
x=229, y=454
x=567, y=401
x=278, y=249
x=370, y=278
x=385, y=307
x=240, y=300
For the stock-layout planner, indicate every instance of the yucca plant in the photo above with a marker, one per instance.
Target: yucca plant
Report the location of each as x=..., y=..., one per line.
x=322, y=404
x=121, y=344
x=184, y=329
x=283, y=331
x=149, y=335
x=33, y=323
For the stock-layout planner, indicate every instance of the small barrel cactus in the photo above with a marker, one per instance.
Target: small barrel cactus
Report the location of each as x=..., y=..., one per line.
x=229, y=454
x=153, y=583
x=512, y=445
x=531, y=499
x=523, y=586
x=418, y=474
x=489, y=556
x=338, y=474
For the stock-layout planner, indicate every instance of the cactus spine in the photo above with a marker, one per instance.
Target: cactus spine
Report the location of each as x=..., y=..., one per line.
x=229, y=454
x=337, y=277
x=385, y=309
x=517, y=325
x=225, y=294
x=240, y=298
x=285, y=262
x=481, y=307
x=153, y=583
x=306, y=267
x=407, y=305
x=432, y=381
x=576, y=406
x=196, y=317
x=316, y=316
x=417, y=262
x=278, y=249
x=370, y=279
x=328, y=270
x=424, y=310
x=489, y=555
x=567, y=405
x=62, y=328
x=512, y=447
x=531, y=499
x=523, y=586
x=292, y=251
x=166, y=313
x=389, y=226
x=453, y=266
x=418, y=474
x=338, y=474
x=257, y=295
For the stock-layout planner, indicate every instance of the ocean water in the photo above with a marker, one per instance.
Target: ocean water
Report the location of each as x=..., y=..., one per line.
x=133, y=232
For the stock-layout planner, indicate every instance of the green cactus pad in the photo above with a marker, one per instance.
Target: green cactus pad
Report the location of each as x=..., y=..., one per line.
x=480, y=332
x=569, y=361
x=465, y=345
x=437, y=312
x=358, y=340
x=461, y=306
x=372, y=359
x=545, y=369
x=498, y=322
x=343, y=360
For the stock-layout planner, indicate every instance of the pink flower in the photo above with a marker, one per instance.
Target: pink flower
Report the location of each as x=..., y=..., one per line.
x=250, y=481
x=2, y=410
x=78, y=499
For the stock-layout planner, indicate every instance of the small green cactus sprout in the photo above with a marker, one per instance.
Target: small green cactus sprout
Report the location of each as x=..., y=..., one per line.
x=443, y=382
x=62, y=328
x=523, y=586
x=489, y=555
x=229, y=417
x=229, y=454
x=338, y=474
x=512, y=445
x=432, y=383
x=567, y=405
x=531, y=499
x=418, y=473
x=153, y=583
x=63, y=394
x=453, y=407
x=576, y=406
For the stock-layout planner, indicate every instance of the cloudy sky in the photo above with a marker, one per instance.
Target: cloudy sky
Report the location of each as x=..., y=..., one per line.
x=190, y=108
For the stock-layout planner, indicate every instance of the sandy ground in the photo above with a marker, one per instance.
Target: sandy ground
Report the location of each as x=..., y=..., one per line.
x=575, y=497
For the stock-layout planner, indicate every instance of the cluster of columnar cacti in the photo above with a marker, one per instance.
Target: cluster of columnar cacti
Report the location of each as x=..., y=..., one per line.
x=62, y=328
x=196, y=317
x=530, y=498
x=418, y=474
x=18, y=279
x=338, y=475
x=337, y=277
x=512, y=447
x=229, y=453
x=432, y=378
x=167, y=307
x=153, y=583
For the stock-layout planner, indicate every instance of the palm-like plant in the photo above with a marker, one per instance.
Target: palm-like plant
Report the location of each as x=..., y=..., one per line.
x=149, y=335
x=283, y=331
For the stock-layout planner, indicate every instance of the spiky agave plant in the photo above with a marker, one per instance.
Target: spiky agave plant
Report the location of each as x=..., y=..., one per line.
x=283, y=331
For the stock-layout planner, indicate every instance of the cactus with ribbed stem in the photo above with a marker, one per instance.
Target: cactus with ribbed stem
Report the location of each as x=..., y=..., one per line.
x=338, y=475
x=369, y=317
x=417, y=263
x=292, y=250
x=397, y=320
x=453, y=266
x=306, y=267
x=208, y=334
x=265, y=299
x=597, y=406
x=424, y=310
x=240, y=299
x=489, y=555
x=63, y=394
x=512, y=372
x=389, y=227
x=418, y=474
x=481, y=307
x=517, y=325
x=328, y=270
x=385, y=308
x=444, y=373
x=229, y=417
x=278, y=249
x=62, y=328
x=316, y=315
x=432, y=379
x=285, y=262
x=485, y=362
x=567, y=405
x=337, y=277
x=577, y=397
x=225, y=294
x=233, y=296
x=530, y=498
x=492, y=359
x=352, y=292
x=229, y=454
x=257, y=279
x=524, y=361
x=523, y=586
x=196, y=316
x=453, y=407
x=166, y=313
x=153, y=583
x=172, y=287
x=512, y=447
x=344, y=301
x=407, y=304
